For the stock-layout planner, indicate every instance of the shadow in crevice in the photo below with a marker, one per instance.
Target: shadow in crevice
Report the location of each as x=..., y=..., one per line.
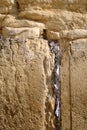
x=55, y=49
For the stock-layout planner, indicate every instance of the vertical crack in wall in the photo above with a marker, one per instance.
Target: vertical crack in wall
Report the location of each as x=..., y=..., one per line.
x=55, y=49
x=70, y=88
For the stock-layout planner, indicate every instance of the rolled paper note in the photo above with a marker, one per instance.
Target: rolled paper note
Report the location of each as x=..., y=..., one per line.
x=58, y=70
x=55, y=86
x=57, y=111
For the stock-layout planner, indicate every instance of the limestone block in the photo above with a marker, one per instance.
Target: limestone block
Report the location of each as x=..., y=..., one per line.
x=61, y=20
x=26, y=97
x=41, y=3
x=73, y=5
x=21, y=33
x=53, y=35
x=74, y=34
x=65, y=92
x=4, y=9
x=78, y=47
x=8, y=10
x=7, y=2
x=55, y=20
x=12, y=21
x=78, y=73
x=56, y=25
x=24, y=86
x=67, y=20
x=39, y=15
x=2, y=17
x=8, y=6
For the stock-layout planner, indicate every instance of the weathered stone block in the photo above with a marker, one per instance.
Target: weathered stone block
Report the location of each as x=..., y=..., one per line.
x=74, y=34
x=26, y=101
x=39, y=15
x=7, y=2
x=2, y=17
x=74, y=5
x=21, y=33
x=8, y=6
x=53, y=35
x=12, y=21
x=78, y=73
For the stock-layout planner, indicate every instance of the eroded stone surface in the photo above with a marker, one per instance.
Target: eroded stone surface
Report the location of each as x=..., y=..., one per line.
x=24, y=73
x=26, y=100
x=53, y=35
x=74, y=34
x=13, y=21
x=74, y=5
x=78, y=72
x=21, y=33
x=8, y=6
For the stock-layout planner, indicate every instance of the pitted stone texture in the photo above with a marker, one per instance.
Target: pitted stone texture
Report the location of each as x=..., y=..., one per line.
x=13, y=21
x=67, y=34
x=21, y=33
x=8, y=6
x=74, y=34
x=65, y=90
x=39, y=15
x=74, y=5
x=53, y=35
x=40, y=3
x=2, y=17
x=25, y=69
x=7, y=2
x=66, y=20
x=78, y=72
x=57, y=20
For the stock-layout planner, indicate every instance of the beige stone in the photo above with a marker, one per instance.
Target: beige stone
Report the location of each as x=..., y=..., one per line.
x=53, y=35
x=73, y=5
x=8, y=10
x=66, y=20
x=12, y=21
x=40, y=15
x=8, y=6
x=78, y=73
x=21, y=33
x=65, y=92
x=74, y=34
x=26, y=98
x=57, y=20
x=26, y=101
x=40, y=4
x=4, y=9
x=7, y=2
x=2, y=17
x=56, y=25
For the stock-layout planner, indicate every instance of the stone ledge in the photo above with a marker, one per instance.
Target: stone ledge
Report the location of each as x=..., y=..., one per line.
x=67, y=34
x=21, y=33
x=39, y=15
x=12, y=21
x=53, y=35
x=74, y=34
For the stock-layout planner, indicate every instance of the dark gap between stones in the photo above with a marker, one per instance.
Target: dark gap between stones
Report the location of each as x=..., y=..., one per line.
x=55, y=49
x=44, y=34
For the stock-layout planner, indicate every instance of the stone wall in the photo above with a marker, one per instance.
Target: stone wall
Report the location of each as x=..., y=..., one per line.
x=27, y=101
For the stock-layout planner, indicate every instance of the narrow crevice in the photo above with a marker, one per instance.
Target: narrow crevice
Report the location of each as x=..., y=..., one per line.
x=10, y=43
x=44, y=34
x=70, y=95
x=18, y=6
x=55, y=49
